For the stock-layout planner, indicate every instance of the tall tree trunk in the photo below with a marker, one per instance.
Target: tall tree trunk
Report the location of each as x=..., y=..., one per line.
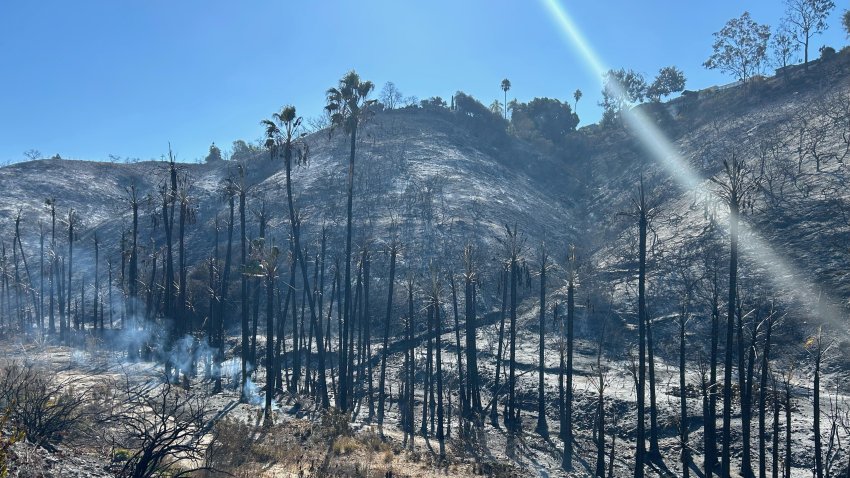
x=343, y=391
x=765, y=357
x=41, y=280
x=788, y=455
x=472, y=380
x=386, y=342
x=600, y=434
x=654, y=450
x=222, y=304
x=411, y=371
x=270, y=369
x=256, y=289
x=816, y=412
x=542, y=426
x=562, y=365
x=71, y=221
x=51, y=318
x=438, y=325
x=683, y=399
x=510, y=420
x=711, y=419
x=494, y=412
x=775, y=449
x=726, y=456
x=133, y=276
x=315, y=320
x=367, y=333
x=243, y=378
x=53, y=268
x=96, y=279
x=746, y=374
x=428, y=389
x=464, y=406
x=640, y=451
x=568, y=402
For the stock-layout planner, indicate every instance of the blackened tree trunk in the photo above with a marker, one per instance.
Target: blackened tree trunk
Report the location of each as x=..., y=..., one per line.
x=441, y=437
x=511, y=419
x=600, y=433
x=96, y=279
x=411, y=370
x=734, y=188
x=29, y=283
x=640, y=451
x=567, y=431
x=51, y=325
x=494, y=412
x=184, y=325
x=763, y=390
x=775, y=449
x=343, y=398
x=464, y=406
x=271, y=272
x=542, y=426
x=654, y=450
x=787, y=404
x=746, y=406
x=386, y=342
x=280, y=343
x=255, y=319
x=711, y=419
x=600, y=408
x=243, y=397
x=41, y=279
x=133, y=275
x=726, y=456
x=71, y=221
x=816, y=409
x=225, y=282
x=428, y=389
x=63, y=319
x=367, y=333
x=562, y=365
x=683, y=399
x=347, y=106
x=472, y=380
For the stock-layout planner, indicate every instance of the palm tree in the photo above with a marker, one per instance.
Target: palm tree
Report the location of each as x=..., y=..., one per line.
x=281, y=137
x=577, y=94
x=506, y=85
x=348, y=106
x=264, y=265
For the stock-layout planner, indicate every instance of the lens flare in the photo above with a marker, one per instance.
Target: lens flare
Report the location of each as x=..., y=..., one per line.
x=778, y=270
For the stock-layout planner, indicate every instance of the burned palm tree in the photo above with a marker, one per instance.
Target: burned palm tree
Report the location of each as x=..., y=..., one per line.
x=263, y=264
x=514, y=244
x=282, y=139
x=348, y=107
x=567, y=413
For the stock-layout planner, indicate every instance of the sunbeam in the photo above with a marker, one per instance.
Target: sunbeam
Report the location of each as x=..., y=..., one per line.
x=780, y=272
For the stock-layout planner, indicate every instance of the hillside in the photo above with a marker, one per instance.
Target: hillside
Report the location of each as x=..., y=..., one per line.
x=438, y=182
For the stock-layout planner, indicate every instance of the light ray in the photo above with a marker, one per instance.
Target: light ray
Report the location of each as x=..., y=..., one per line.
x=779, y=271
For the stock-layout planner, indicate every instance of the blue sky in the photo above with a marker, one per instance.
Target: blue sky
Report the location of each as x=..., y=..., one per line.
x=86, y=79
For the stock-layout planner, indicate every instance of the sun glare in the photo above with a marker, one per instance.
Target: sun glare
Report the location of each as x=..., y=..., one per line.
x=779, y=271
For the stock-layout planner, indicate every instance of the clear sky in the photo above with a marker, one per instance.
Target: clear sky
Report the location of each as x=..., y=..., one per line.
x=86, y=79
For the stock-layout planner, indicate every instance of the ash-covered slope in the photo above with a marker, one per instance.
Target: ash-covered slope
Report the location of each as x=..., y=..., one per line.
x=792, y=131
x=441, y=185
